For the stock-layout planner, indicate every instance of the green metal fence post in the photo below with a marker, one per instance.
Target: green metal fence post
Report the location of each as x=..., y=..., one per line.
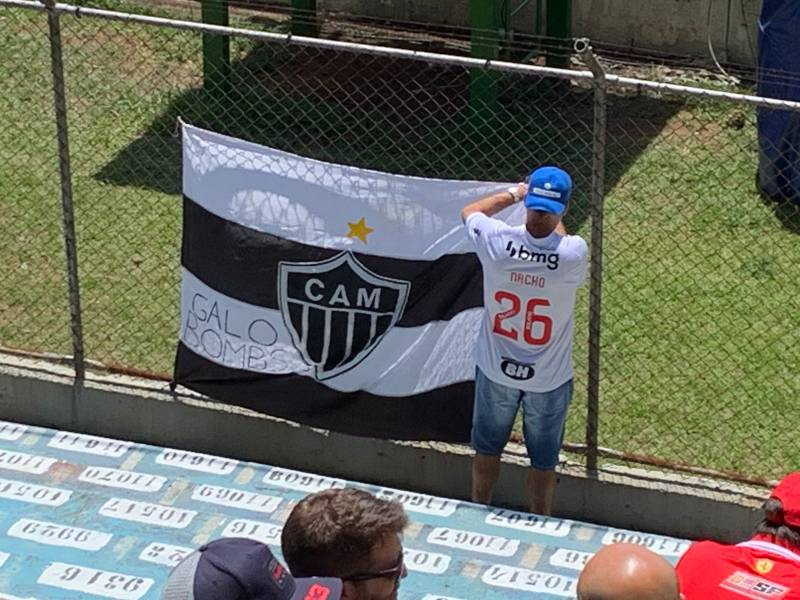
x=484, y=22
x=216, y=48
x=558, y=24
x=304, y=17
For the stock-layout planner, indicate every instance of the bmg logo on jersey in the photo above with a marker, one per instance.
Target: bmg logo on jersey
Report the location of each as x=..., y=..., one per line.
x=516, y=370
x=522, y=253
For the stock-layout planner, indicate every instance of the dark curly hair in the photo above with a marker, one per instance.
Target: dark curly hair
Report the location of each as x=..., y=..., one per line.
x=772, y=523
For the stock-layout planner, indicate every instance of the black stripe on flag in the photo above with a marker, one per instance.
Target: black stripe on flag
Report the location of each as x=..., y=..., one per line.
x=242, y=263
x=443, y=413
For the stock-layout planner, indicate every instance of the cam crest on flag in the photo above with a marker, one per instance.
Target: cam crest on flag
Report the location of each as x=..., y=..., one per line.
x=337, y=311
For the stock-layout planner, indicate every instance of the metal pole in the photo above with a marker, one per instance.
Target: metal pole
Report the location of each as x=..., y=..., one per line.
x=70, y=243
x=484, y=22
x=558, y=25
x=304, y=17
x=216, y=48
x=599, y=85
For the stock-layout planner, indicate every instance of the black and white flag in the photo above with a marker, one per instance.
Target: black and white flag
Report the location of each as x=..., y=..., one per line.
x=333, y=296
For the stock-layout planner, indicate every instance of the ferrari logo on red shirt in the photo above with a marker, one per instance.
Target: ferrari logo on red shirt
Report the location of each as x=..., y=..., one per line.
x=764, y=565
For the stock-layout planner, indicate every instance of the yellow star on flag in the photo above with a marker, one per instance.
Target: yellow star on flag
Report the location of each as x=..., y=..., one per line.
x=359, y=230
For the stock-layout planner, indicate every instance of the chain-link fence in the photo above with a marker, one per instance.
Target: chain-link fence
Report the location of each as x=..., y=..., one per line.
x=693, y=356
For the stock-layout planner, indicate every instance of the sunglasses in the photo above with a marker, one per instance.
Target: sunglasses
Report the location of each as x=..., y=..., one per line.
x=394, y=573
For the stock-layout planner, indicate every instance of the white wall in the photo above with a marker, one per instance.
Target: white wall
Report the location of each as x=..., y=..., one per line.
x=672, y=26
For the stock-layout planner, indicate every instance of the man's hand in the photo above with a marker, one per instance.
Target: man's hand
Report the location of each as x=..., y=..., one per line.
x=494, y=203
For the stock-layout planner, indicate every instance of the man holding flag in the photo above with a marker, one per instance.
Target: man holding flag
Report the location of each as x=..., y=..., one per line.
x=524, y=354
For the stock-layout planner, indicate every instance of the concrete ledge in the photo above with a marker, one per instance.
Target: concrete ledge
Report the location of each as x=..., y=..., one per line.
x=42, y=393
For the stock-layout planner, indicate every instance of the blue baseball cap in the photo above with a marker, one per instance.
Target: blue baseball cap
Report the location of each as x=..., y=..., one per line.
x=242, y=569
x=549, y=189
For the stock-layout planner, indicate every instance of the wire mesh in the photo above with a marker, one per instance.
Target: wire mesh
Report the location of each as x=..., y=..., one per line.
x=699, y=316
x=33, y=301
x=700, y=326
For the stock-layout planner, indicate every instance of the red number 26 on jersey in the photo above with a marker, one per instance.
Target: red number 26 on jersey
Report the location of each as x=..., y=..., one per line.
x=533, y=323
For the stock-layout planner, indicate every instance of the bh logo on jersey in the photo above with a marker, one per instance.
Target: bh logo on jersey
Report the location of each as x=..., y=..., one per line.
x=337, y=311
x=516, y=370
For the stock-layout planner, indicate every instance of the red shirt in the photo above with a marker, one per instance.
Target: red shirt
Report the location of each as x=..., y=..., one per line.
x=755, y=569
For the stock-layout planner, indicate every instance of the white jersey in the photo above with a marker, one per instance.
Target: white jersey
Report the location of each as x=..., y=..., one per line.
x=529, y=286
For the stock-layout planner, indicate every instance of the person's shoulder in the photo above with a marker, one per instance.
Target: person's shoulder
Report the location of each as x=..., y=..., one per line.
x=701, y=550
x=708, y=545
x=574, y=241
x=479, y=223
x=573, y=245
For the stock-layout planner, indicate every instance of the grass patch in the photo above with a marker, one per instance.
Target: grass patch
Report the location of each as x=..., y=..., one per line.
x=700, y=310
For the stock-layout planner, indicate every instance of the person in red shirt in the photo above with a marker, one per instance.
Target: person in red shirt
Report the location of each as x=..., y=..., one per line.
x=765, y=567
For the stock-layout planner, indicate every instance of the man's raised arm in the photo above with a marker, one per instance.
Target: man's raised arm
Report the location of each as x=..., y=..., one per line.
x=492, y=204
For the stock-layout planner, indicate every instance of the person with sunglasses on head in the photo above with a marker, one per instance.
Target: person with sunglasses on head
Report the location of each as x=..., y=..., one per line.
x=351, y=535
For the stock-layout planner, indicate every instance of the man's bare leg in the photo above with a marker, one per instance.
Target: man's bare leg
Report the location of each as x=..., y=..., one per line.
x=485, y=471
x=541, y=488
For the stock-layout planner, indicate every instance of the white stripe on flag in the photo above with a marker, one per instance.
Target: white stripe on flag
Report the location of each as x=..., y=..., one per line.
x=311, y=201
x=240, y=335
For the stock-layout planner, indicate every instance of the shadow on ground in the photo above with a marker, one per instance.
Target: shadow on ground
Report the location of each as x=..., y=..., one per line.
x=786, y=211
x=398, y=116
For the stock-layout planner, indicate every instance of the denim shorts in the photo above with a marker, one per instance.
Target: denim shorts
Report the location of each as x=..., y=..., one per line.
x=544, y=415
